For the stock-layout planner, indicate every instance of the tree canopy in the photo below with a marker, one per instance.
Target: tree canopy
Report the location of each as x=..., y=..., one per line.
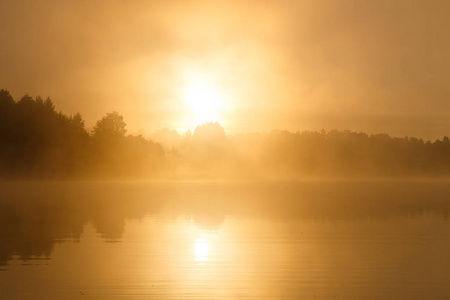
x=111, y=126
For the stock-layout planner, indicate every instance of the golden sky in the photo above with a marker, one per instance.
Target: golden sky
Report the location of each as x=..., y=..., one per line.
x=374, y=66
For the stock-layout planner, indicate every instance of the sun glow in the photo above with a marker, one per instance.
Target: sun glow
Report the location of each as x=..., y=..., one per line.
x=205, y=101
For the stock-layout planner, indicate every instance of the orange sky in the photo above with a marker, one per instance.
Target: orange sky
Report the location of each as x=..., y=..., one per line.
x=379, y=66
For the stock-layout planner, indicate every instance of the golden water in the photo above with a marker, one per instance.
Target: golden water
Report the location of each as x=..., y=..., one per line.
x=211, y=240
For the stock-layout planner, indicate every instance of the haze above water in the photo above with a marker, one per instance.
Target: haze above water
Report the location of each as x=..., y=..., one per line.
x=224, y=149
x=233, y=240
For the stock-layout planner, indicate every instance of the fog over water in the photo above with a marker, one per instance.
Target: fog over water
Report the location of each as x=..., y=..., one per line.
x=204, y=149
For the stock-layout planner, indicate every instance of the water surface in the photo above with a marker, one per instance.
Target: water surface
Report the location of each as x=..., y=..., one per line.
x=213, y=240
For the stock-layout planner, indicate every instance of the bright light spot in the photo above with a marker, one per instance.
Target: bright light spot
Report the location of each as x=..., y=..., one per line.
x=204, y=99
x=201, y=249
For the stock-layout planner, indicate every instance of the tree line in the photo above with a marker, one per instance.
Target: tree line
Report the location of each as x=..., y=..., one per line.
x=346, y=153
x=36, y=141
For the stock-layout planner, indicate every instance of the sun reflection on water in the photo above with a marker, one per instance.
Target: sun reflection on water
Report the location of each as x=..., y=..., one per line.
x=201, y=249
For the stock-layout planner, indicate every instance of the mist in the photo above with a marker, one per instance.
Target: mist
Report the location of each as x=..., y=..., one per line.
x=290, y=65
x=202, y=149
x=38, y=142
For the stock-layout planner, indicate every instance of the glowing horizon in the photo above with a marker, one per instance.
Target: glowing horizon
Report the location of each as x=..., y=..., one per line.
x=264, y=65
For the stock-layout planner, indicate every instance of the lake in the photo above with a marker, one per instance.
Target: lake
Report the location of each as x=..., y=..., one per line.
x=225, y=240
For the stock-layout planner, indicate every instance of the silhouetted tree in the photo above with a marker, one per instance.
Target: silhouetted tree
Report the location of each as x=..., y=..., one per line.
x=39, y=142
x=115, y=154
x=110, y=127
x=207, y=152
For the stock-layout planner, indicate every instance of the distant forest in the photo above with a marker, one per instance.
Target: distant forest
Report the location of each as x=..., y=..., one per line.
x=38, y=142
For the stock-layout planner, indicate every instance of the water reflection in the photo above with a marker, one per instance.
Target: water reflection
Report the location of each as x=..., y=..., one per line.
x=201, y=249
x=35, y=217
x=225, y=240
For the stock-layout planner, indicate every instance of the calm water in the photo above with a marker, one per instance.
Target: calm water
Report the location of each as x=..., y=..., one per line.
x=284, y=240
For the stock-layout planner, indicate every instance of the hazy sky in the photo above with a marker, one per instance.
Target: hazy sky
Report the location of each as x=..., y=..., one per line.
x=374, y=66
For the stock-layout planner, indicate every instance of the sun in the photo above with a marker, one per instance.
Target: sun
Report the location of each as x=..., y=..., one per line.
x=204, y=100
